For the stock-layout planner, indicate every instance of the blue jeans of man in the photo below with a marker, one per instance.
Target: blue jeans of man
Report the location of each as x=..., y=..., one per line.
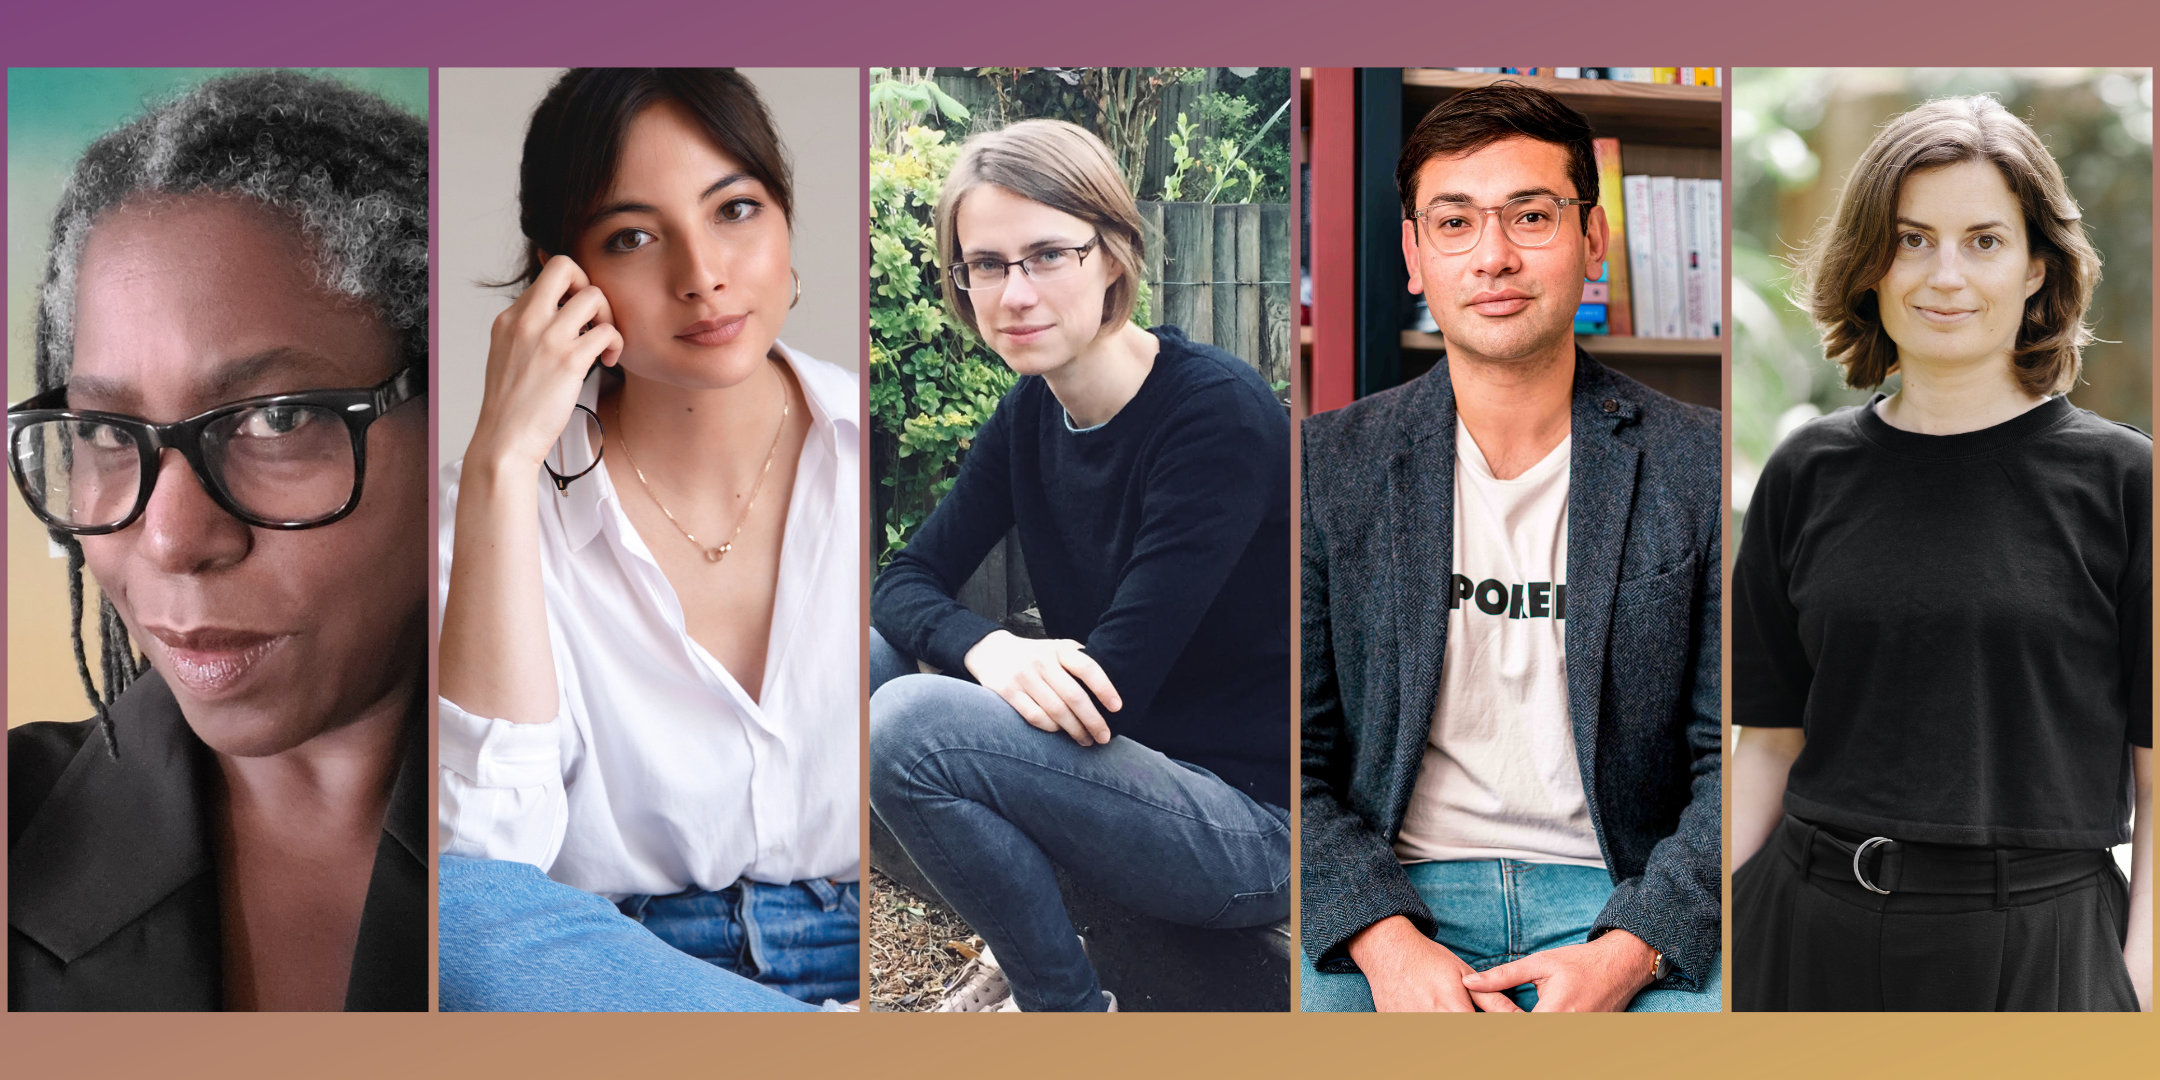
x=512, y=939
x=985, y=805
x=1496, y=911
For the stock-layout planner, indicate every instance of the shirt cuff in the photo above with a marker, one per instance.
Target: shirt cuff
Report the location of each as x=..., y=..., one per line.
x=493, y=753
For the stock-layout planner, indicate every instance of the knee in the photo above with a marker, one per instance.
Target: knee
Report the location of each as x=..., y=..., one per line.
x=914, y=716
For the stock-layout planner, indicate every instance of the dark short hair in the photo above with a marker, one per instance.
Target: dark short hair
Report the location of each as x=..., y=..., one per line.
x=575, y=141
x=1474, y=119
x=1851, y=251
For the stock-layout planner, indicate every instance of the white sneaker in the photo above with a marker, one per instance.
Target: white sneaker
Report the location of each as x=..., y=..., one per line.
x=980, y=987
x=1012, y=1004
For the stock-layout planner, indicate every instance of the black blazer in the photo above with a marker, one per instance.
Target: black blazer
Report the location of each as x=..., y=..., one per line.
x=1644, y=518
x=112, y=880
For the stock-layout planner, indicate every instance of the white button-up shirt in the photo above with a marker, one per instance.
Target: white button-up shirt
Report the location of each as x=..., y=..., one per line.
x=658, y=772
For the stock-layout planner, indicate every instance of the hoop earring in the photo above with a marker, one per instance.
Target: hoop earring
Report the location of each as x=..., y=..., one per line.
x=562, y=483
x=798, y=289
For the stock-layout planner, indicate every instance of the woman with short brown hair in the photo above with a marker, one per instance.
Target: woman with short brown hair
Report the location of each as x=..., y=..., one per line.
x=1943, y=613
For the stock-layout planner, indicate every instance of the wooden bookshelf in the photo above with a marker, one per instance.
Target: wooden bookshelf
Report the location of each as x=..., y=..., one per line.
x=1628, y=111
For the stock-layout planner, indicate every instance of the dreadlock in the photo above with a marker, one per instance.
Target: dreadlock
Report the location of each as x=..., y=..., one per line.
x=348, y=168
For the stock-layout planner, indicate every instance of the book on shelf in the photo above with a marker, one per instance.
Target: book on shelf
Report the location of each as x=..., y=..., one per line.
x=1713, y=211
x=1692, y=265
x=1611, y=193
x=1669, y=320
x=1640, y=252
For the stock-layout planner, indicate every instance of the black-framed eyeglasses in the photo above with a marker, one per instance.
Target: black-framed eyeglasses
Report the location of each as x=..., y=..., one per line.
x=985, y=272
x=285, y=461
x=1456, y=227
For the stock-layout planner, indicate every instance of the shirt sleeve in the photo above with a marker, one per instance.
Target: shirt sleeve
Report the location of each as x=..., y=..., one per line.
x=502, y=793
x=1771, y=670
x=1208, y=489
x=912, y=603
x=2134, y=617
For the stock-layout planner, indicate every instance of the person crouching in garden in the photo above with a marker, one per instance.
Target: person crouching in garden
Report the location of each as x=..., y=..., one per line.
x=1144, y=746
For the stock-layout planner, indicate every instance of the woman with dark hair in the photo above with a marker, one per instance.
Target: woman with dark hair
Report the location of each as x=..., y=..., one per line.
x=1942, y=629
x=647, y=703
x=239, y=277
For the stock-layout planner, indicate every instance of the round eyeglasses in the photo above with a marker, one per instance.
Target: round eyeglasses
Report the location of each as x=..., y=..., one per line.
x=1452, y=228
x=286, y=461
x=985, y=272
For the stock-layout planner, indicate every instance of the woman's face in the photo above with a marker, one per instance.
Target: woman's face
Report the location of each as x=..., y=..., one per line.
x=692, y=253
x=1955, y=293
x=1036, y=326
x=267, y=638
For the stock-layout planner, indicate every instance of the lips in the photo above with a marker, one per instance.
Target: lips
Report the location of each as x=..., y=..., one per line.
x=210, y=661
x=1500, y=302
x=718, y=331
x=1024, y=335
x=1944, y=316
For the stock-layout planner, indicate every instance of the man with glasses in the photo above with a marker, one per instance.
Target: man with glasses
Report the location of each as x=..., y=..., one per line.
x=1510, y=623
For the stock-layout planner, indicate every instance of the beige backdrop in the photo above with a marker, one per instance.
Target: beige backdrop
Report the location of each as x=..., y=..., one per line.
x=484, y=112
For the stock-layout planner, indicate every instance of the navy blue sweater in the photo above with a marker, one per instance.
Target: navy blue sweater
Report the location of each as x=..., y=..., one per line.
x=1160, y=540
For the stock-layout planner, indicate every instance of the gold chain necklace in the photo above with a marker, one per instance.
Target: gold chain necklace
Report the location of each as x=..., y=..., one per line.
x=712, y=555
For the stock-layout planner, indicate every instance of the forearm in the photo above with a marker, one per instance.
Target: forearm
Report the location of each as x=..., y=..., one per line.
x=496, y=658
x=1761, y=762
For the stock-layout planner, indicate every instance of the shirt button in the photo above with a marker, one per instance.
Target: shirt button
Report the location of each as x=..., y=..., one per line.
x=1609, y=405
x=777, y=847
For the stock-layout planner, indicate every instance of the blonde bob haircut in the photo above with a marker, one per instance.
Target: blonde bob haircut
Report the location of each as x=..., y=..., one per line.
x=1062, y=166
x=1851, y=253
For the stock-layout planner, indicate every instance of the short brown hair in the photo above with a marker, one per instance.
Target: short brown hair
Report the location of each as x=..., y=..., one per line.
x=1851, y=252
x=1062, y=166
x=1477, y=118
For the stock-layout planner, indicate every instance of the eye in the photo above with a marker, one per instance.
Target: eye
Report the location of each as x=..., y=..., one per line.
x=275, y=421
x=985, y=266
x=1050, y=259
x=628, y=240
x=1987, y=242
x=101, y=437
x=739, y=209
x=1530, y=217
x=1911, y=241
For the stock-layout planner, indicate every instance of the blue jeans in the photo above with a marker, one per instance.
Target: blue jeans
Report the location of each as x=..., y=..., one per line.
x=1495, y=911
x=513, y=940
x=986, y=804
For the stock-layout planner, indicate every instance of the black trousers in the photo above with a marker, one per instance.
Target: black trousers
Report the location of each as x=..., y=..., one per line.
x=1808, y=936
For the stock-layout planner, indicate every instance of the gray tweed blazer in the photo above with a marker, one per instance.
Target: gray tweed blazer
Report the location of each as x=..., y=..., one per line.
x=1644, y=536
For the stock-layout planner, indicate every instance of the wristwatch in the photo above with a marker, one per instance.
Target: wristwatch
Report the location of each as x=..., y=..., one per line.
x=1659, y=968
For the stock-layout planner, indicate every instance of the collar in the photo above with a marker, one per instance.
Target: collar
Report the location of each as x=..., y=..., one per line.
x=829, y=391
x=116, y=837
x=1602, y=402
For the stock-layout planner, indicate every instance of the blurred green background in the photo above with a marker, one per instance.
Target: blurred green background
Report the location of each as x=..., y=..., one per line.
x=1796, y=132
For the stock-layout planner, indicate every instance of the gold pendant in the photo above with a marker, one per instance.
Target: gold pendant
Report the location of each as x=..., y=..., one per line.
x=716, y=554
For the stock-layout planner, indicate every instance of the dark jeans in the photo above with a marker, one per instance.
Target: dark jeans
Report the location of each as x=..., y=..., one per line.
x=986, y=804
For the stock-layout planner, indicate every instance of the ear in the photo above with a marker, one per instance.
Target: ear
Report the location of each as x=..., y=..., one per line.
x=1594, y=244
x=2035, y=276
x=1410, y=259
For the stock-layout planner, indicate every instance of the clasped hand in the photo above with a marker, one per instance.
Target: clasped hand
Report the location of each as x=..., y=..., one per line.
x=1409, y=972
x=1043, y=680
x=538, y=353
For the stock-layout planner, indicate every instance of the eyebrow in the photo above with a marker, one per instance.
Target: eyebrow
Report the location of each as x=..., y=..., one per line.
x=1460, y=197
x=1056, y=242
x=222, y=384
x=1990, y=224
x=614, y=208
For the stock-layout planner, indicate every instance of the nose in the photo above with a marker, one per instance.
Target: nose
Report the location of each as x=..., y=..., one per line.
x=701, y=267
x=1945, y=271
x=1019, y=291
x=184, y=530
x=1494, y=254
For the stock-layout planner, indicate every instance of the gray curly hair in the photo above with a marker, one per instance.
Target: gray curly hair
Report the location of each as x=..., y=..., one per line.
x=348, y=168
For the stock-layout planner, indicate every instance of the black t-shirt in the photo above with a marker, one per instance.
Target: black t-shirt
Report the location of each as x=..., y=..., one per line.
x=1962, y=623
x=1160, y=540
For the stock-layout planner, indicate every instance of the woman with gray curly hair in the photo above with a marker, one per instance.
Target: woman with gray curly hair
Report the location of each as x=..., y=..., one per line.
x=239, y=276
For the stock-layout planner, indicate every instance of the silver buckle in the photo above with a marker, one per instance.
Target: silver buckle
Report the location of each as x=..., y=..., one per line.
x=1861, y=853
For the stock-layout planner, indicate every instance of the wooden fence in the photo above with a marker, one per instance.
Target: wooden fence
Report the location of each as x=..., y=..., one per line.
x=1221, y=273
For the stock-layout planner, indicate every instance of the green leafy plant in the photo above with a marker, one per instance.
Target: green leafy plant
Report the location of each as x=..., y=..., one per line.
x=932, y=383
x=902, y=97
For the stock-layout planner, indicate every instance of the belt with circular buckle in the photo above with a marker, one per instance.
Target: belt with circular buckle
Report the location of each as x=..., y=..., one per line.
x=1860, y=853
